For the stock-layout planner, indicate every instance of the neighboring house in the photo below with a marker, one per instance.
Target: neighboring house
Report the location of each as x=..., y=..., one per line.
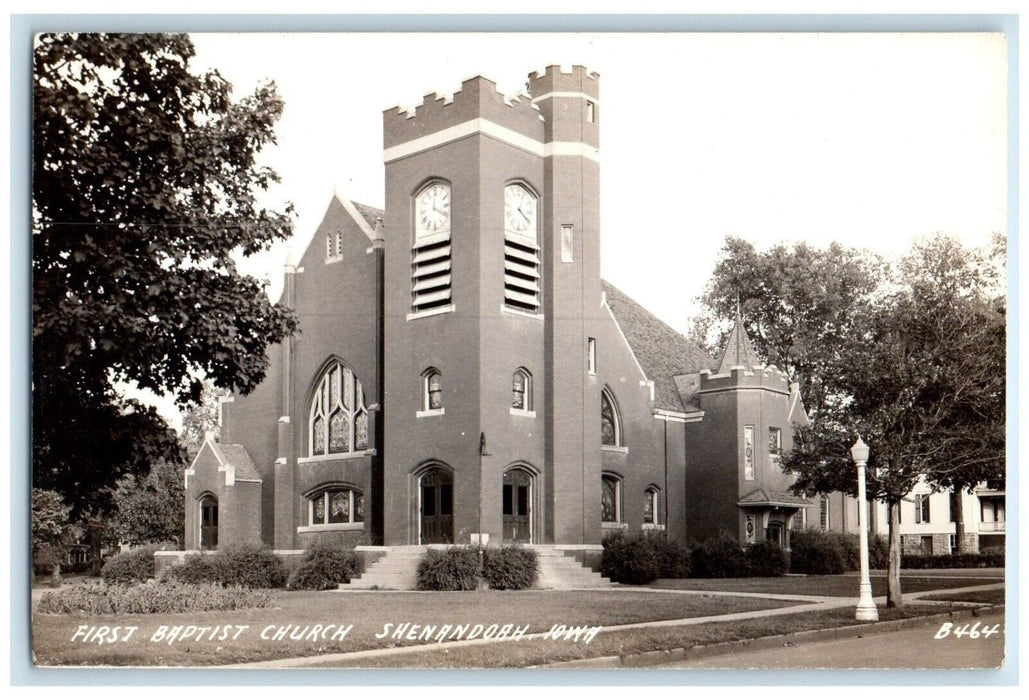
x=461, y=368
x=926, y=519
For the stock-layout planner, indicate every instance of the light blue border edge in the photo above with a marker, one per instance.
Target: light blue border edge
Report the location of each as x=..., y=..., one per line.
x=23, y=27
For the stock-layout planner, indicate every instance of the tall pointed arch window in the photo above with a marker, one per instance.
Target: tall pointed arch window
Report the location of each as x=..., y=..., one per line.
x=338, y=420
x=521, y=250
x=432, y=392
x=610, y=421
x=521, y=390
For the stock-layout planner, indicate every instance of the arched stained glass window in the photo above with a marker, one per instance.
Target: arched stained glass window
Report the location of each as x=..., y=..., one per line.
x=610, y=423
x=521, y=390
x=610, y=499
x=338, y=419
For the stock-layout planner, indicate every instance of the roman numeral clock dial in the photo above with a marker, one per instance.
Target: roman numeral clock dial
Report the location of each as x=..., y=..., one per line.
x=434, y=209
x=519, y=209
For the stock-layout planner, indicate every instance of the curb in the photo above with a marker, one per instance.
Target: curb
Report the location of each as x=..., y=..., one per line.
x=704, y=651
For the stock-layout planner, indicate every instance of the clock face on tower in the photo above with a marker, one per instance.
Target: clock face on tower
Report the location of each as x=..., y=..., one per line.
x=433, y=209
x=519, y=210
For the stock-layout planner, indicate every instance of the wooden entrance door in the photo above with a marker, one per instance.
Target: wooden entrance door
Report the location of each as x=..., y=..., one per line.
x=437, y=507
x=517, y=508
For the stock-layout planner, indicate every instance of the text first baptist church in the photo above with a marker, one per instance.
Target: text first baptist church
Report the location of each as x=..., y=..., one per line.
x=471, y=308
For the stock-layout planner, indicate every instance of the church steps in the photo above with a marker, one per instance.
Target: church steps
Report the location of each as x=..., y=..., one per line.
x=395, y=568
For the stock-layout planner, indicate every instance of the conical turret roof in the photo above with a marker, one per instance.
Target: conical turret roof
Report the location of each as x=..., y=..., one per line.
x=738, y=349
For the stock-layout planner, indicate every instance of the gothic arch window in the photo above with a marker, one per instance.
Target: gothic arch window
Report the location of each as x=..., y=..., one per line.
x=521, y=249
x=208, y=522
x=335, y=505
x=338, y=419
x=432, y=391
x=521, y=390
x=610, y=420
x=651, y=506
x=610, y=498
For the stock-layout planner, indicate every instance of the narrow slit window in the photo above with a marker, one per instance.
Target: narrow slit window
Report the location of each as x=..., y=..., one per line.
x=567, y=244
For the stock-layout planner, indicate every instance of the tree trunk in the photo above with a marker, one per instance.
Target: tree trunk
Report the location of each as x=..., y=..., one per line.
x=55, y=574
x=894, y=597
x=958, y=511
x=95, y=548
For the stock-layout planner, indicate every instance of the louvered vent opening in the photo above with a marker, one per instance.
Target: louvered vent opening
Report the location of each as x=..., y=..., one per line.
x=521, y=275
x=430, y=276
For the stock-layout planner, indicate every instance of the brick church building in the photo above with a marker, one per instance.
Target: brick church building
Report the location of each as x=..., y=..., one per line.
x=462, y=368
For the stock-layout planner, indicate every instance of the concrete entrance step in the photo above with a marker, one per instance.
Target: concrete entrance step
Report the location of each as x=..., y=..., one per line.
x=396, y=568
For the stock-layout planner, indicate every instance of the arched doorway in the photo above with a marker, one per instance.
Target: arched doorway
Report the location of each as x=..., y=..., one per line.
x=208, y=522
x=436, y=506
x=516, y=504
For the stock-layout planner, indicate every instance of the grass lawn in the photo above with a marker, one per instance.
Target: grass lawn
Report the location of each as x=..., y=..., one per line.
x=988, y=597
x=367, y=611
x=526, y=653
x=843, y=586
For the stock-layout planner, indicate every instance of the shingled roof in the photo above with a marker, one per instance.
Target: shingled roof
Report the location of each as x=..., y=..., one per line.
x=239, y=458
x=739, y=352
x=768, y=499
x=662, y=352
x=370, y=214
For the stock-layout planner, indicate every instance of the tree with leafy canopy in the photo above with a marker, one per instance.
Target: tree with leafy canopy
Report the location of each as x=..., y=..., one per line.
x=924, y=384
x=49, y=531
x=145, y=181
x=150, y=509
x=798, y=305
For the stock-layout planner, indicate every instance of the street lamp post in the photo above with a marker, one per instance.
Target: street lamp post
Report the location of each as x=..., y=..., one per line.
x=866, y=610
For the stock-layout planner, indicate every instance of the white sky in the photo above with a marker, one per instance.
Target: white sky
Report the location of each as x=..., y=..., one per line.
x=871, y=140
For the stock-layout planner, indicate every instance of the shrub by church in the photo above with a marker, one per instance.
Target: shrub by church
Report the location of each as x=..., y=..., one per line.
x=462, y=368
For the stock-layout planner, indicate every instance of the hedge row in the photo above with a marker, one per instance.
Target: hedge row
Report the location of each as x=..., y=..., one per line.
x=820, y=552
x=952, y=561
x=247, y=566
x=130, y=567
x=640, y=559
x=148, y=598
x=325, y=565
x=457, y=568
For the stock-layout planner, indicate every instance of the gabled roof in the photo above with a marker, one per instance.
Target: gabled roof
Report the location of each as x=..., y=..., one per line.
x=662, y=352
x=238, y=457
x=739, y=352
x=761, y=497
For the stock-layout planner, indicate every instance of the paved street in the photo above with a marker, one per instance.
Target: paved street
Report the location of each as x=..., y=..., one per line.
x=911, y=648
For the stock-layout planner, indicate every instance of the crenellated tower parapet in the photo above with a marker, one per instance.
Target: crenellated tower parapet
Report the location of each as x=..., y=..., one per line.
x=476, y=105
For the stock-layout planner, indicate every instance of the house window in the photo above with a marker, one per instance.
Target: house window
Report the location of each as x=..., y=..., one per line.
x=338, y=419
x=952, y=503
x=521, y=390
x=610, y=423
x=567, y=244
x=591, y=355
x=337, y=506
x=610, y=499
x=823, y=513
x=430, y=258
x=333, y=246
x=922, y=508
x=650, y=506
x=591, y=112
x=748, y=452
x=952, y=542
x=521, y=250
x=774, y=442
x=432, y=390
